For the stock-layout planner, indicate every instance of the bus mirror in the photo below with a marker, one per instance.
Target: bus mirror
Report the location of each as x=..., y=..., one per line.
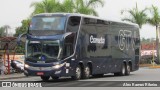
x=21, y=38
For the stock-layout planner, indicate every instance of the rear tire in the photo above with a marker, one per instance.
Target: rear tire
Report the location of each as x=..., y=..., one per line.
x=45, y=78
x=128, y=70
x=86, y=72
x=78, y=74
x=122, y=72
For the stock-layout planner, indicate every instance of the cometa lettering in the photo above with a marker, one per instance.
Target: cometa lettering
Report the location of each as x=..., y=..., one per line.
x=97, y=40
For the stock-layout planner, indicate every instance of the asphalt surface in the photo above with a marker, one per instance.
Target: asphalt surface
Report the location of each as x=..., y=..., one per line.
x=143, y=75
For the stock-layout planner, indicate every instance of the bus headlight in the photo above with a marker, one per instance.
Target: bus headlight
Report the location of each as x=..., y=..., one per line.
x=26, y=66
x=57, y=66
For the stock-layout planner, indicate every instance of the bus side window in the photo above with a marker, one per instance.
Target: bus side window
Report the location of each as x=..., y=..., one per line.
x=69, y=45
x=68, y=49
x=106, y=41
x=73, y=24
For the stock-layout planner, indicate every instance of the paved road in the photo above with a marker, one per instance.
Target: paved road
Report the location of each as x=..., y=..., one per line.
x=143, y=74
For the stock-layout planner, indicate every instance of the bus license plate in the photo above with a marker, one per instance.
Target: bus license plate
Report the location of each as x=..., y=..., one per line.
x=40, y=73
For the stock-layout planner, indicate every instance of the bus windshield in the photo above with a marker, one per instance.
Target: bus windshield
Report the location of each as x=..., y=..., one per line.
x=48, y=23
x=43, y=50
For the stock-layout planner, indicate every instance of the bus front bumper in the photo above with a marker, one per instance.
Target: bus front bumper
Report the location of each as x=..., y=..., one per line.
x=43, y=71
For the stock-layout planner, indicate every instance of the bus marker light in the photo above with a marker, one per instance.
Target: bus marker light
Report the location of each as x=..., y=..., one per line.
x=72, y=59
x=67, y=70
x=67, y=64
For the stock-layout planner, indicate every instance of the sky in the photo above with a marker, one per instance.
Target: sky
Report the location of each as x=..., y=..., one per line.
x=12, y=12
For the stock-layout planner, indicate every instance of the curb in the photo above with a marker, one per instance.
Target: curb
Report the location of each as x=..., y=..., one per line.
x=156, y=66
x=150, y=66
x=16, y=77
x=145, y=65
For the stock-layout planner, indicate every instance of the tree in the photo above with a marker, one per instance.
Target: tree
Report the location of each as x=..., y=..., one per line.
x=68, y=6
x=20, y=30
x=46, y=6
x=87, y=6
x=147, y=41
x=2, y=32
x=155, y=18
x=23, y=28
x=155, y=21
x=136, y=16
x=6, y=27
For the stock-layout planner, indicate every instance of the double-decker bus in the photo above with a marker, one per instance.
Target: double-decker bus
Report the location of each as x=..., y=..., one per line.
x=80, y=46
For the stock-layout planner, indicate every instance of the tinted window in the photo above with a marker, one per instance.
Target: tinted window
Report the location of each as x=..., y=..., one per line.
x=73, y=24
x=47, y=23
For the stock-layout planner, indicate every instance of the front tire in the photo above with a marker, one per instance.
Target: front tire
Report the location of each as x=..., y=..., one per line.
x=78, y=73
x=45, y=78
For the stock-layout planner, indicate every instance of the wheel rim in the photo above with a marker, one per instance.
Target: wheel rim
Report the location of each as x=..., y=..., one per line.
x=78, y=73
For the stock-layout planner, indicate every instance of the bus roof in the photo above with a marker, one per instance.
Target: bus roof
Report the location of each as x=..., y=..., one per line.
x=88, y=16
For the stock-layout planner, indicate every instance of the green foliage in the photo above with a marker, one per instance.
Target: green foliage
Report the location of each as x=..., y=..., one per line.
x=155, y=19
x=2, y=32
x=88, y=6
x=20, y=49
x=148, y=40
x=136, y=16
x=45, y=6
x=20, y=30
x=23, y=28
x=68, y=6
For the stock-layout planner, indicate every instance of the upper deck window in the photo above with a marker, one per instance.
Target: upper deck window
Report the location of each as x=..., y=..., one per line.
x=73, y=23
x=48, y=23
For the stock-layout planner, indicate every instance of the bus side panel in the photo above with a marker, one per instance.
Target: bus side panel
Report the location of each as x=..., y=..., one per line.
x=98, y=52
x=125, y=44
x=119, y=46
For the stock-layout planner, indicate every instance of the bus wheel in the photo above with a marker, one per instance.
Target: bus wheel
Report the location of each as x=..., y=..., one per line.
x=87, y=72
x=45, y=78
x=128, y=70
x=78, y=73
x=123, y=70
x=55, y=78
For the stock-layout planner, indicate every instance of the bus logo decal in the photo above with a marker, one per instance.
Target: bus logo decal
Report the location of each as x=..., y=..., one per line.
x=97, y=40
x=126, y=40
